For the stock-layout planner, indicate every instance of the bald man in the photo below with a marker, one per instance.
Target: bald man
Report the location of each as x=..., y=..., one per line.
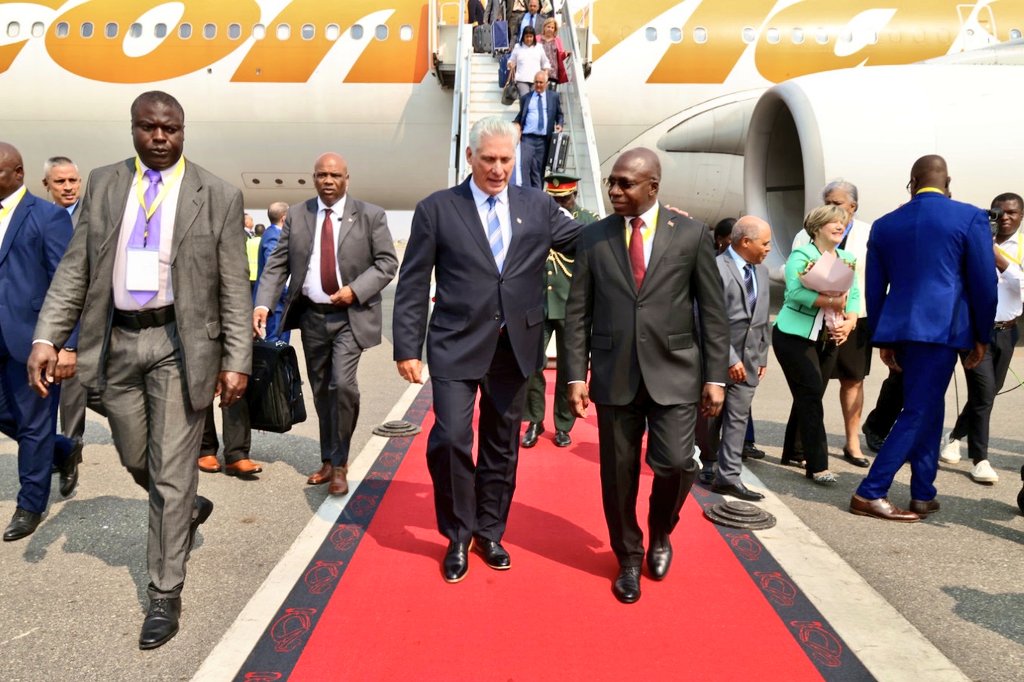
x=340, y=255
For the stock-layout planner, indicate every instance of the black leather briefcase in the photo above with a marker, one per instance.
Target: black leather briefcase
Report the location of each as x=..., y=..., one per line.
x=275, y=387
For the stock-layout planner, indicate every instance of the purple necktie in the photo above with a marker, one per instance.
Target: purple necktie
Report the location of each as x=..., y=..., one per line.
x=146, y=234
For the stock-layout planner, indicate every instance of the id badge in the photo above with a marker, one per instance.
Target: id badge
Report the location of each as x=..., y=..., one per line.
x=143, y=270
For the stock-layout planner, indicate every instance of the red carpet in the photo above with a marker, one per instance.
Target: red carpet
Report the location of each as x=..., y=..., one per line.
x=552, y=616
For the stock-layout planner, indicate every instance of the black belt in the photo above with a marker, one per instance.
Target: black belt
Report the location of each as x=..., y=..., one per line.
x=143, y=319
x=533, y=135
x=323, y=308
x=1009, y=324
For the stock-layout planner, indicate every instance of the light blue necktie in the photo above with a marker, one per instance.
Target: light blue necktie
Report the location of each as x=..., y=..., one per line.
x=494, y=233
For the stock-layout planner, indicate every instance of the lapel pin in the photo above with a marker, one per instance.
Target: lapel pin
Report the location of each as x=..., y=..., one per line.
x=671, y=223
x=519, y=220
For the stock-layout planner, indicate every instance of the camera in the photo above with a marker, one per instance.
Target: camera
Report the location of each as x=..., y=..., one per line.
x=994, y=215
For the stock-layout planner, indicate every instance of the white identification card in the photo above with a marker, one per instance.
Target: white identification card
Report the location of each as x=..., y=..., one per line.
x=143, y=270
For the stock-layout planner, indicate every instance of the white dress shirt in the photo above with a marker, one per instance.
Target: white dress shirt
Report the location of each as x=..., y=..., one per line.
x=10, y=204
x=1011, y=280
x=311, y=285
x=742, y=263
x=650, y=218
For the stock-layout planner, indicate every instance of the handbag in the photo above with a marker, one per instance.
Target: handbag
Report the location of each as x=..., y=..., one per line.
x=275, y=387
x=510, y=93
x=562, y=74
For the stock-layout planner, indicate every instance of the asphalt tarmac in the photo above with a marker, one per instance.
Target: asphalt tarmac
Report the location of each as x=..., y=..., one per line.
x=72, y=597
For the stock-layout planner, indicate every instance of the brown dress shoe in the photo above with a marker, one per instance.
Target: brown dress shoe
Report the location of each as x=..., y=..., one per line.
x=321, y=476
x=209, y=464
x=923, y=508
x=881, y=508
x=243, y=467
x=339, y=484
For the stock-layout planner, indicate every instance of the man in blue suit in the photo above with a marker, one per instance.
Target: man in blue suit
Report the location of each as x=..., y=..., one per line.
x=486, y=243
x=33, y=236
x=931, y=291
x=539, y=118
x=276, y=213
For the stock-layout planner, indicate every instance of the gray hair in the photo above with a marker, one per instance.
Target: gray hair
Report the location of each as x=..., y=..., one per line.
x=843, y=186
x=748, y=226
x=492, y=126
x=55, y=161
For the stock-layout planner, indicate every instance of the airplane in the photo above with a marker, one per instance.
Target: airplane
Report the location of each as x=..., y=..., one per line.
x=753, y=105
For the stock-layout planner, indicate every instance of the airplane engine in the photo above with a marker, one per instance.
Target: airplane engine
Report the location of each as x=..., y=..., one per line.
x=868, y=126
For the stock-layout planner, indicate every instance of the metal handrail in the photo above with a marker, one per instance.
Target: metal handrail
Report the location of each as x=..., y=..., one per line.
x=460, y=97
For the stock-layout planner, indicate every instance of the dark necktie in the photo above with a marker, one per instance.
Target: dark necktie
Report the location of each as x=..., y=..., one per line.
x=328, y=267
x=636, y=251
x=748, y=283
x=542, y=124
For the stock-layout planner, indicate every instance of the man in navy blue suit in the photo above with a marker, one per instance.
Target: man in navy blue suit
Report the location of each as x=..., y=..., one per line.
x=539, y=118
x=276, y=213
x=931, y=291
x=486, y=243
x=33, y=236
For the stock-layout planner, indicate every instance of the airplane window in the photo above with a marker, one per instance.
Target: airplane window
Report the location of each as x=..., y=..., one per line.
x=210, y=31
x=1015, y=34
x=63, y=29
x=110, y=30
x=357, y=31
x=405, y=33
x=284, y=32
x=259, y=32
x=675, y=34
x=821, y=35
x=38, y=29
x=651, y=33
x=160, y=30
x=234, y=31
x=135, y=30
x=381, y=32
x=308, y=31
x=798, y=36
x=749, y=34
x=185, y=31
x=970, y=32
x=873, y=38
x=700, y=35
x=773, y=36
x=332, y=32
x=13, y=29
x=86, y=29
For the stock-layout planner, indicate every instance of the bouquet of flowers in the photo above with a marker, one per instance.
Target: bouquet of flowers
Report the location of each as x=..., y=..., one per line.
x=832, y=276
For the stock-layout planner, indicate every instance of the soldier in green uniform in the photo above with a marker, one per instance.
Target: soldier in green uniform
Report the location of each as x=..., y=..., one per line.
x=557, y=278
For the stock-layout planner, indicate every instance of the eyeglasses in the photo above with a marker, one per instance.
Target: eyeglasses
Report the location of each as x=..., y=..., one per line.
x=622, y=183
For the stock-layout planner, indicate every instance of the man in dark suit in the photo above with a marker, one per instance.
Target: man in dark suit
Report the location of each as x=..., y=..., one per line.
x=276, y=213
x=925, y=303
x=486, y=243
x=340, y=255
x=157, y=272
x=745, y=282
x=539, y=118
x=33, y=236
x=637, y=277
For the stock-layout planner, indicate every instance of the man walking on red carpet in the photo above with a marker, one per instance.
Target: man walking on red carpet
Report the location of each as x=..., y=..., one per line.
x=637, y=277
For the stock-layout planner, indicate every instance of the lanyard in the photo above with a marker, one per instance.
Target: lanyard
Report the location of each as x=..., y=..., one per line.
x=179, y=170
x=10, y=202
x=1020, y=251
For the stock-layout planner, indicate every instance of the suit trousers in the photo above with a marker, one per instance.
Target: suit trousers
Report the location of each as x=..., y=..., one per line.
x=156, y=432
x=807, y=365
x=733, y=422
x=888, y=405
x=237, y=433
x=564, y=418
x=535, y=151
x=983, y=383
x=670, y=438
x=927, y=369
x=332, y=364
x=74, y=398
x=475, y=499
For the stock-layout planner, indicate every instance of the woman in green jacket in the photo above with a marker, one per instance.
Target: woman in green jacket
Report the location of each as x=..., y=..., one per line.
x=805, y=346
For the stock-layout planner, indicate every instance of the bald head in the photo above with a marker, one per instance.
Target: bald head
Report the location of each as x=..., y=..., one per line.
x=929, y=171
x=633, y=184
x=330, y=176
x=752, y=239
x=12, y=171
x=277, y=211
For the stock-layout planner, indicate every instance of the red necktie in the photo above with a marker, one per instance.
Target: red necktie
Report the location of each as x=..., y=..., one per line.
x=328, y=263
x=636, y=251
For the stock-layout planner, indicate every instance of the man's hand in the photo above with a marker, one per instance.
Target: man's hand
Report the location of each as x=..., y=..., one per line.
x=738, y=373
x=411, y=370
x=558, y=127
x=230, y=387
x=677, y=210
x=974, y=357
x=888, y=358
x=259, y=322
x=711, y=400
x=67, y=361
x=579, y=398
x=761, y=371
x=42, y=364
x=343, y=297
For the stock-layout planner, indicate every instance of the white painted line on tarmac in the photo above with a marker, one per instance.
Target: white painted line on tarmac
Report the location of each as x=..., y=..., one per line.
x=888, y=645
x=238, y=642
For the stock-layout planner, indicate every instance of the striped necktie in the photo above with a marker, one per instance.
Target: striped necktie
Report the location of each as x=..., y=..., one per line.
x=494, y=233
x=748, y=283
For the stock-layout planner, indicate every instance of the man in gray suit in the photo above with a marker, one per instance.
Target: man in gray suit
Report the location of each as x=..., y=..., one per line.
x=157, y=273
x=340, y=255
x=637, y=277
x=745, y=281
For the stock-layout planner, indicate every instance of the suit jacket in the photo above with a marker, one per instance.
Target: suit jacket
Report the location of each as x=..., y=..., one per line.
x=472, y=296
x=33, y=245
x=209, y=276
x=749, y=330
x=366, y=259
x=856, y=246
x=649, y=334
x=554, y=111
x=798, y=312
x=931, y=274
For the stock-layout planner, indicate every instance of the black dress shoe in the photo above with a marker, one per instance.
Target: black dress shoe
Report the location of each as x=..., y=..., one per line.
x=862, y=462
x=738, y=490
x=1020, y=495
x=69, y=471
x=204, y=508
x=562, y=439
x=456, y=562
x=22, y=524
x=161, y=622
x=872, y=439
x=531, y=435
x=659, y=556
x=751, y=451
x=706, y=476
x=493, y=553
x=627, y=585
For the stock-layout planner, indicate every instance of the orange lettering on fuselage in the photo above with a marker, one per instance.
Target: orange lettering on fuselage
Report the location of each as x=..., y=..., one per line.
x=616, y=20
x=9, y=52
